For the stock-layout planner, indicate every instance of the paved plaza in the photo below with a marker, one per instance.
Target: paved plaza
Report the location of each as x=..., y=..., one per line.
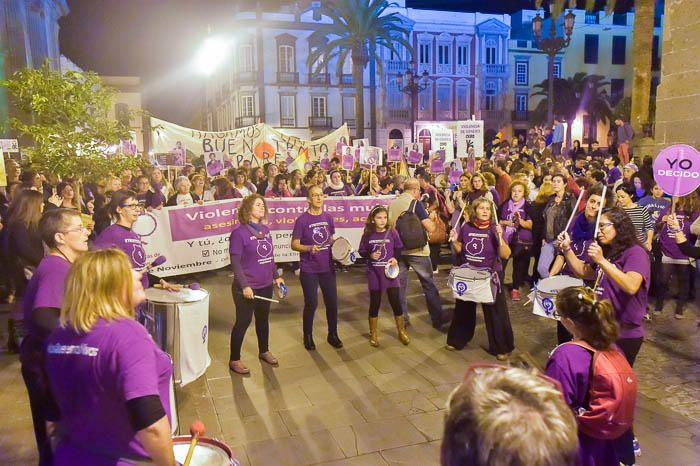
x=377, y=406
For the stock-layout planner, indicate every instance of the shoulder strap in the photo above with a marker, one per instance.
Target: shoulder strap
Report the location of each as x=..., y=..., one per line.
x=412, y=206
x=582, y=344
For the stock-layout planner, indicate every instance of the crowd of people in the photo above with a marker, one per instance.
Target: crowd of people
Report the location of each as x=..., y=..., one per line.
x=580, y=213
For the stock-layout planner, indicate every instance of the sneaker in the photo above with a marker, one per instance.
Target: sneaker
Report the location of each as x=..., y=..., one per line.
x=647, y=317
x=515, y=295
x=297, y=272
x=637, y=448
x=678, y=316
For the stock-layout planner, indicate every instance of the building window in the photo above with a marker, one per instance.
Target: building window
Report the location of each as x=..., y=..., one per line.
x=617, y=91
x=424, y=53
x=425, y=103
x=655, y=58
x=286, y=61
x=349, y=110
x=557, y=69
x=444, y=100
x=620, y=19
x=491, y=51
x=490, y=100
x=443, y=54
x=522, y=44
x=592, y=18
x=521, y=102
x=210, y=122
x=521, y=73
x=245, y=58
x=463, y=59
x=121, y=113
x=318, y=106
x=247, y=105
x=288, y=111
x=590, y=54
x=463, y=109
x=618, y=50
x=590, y=131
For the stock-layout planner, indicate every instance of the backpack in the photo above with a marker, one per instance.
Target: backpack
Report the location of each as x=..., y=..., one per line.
x=612, y=394
x=410, y=229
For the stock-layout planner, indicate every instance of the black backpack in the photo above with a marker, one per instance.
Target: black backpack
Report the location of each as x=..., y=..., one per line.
x=410, y=229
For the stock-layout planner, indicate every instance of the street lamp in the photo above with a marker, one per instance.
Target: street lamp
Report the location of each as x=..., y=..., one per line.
x=213, y=52
x=412, y=84
x=551, y=46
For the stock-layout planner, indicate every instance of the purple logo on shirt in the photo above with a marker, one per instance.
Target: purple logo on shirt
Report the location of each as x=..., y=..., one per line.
x=475, y=246
x=320, y=234
x=264, y=247
x=382, y=249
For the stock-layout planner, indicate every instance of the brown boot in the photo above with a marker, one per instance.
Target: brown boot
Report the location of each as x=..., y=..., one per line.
x=401, y=327
x=373, y=340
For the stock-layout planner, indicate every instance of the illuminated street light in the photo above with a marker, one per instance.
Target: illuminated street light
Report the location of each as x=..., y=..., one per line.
x=213, y=52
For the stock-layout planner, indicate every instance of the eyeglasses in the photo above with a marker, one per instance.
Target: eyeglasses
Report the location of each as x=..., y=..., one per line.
x=134, y=205
x=605, y=225
x=80, y=229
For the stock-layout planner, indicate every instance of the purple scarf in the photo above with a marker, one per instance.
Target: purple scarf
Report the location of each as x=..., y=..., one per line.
x=511, y=208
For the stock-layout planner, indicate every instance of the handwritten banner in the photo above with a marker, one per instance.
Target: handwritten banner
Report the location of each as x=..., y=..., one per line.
x=470, y=138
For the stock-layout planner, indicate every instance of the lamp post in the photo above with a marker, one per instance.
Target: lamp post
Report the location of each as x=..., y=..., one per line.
x=551, y=46
x=412, y=84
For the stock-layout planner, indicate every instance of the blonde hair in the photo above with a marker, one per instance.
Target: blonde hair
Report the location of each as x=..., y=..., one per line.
x=99, y=286
x=546, y=190
x=471, y=208
x=505, y=416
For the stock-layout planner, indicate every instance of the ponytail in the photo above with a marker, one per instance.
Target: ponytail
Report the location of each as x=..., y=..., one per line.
x=594, y=319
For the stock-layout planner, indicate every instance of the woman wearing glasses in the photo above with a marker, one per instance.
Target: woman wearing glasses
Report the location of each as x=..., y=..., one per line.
x=124, y=209
x=621, y=269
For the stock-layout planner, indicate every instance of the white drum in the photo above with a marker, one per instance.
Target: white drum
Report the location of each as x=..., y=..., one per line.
x=391, y=271
x=477, y=286
x=207, y=452
x=343, y=252
x=544, y=295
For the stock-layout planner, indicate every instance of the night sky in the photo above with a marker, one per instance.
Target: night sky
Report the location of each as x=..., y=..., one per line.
x=155, y=39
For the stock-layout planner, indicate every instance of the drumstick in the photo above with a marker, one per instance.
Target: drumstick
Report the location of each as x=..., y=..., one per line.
x=266, y=299
x=571, y=218
x=197, y=430
x=600, y=212
x=495, y=214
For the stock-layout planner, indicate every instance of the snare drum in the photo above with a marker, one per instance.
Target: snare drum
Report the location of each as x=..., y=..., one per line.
x=343, y=252
x=282, y=291
x=473, y=285
x=208, y=452
x=545, y=294
x=391, y=271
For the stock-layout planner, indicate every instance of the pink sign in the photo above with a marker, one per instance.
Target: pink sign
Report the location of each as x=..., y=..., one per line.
x=414, y=157
x=677, y=169
x=347, y=162
x=437, y=166
x=393, y=155
x=325, y=164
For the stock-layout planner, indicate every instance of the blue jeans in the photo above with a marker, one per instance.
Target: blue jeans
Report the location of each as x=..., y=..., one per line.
x=547, y=255
x=424, y=269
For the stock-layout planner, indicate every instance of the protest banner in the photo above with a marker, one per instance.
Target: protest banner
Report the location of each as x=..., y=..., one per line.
x=442, y=139
x=371, y=156
x=258, y=144
x=195, y=238
x=470, y=138
x=677, y=169
x=348, y=159
x=9, y=145
x=394, y=150
x=415, y=153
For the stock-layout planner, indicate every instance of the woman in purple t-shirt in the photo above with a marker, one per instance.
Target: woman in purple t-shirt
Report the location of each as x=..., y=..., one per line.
x=63, y=232
x=254, y=272
x=480, y=242
x=381, y=245
x=516, y=221
x=312, y=237
x=593, y=322
x=110, y=380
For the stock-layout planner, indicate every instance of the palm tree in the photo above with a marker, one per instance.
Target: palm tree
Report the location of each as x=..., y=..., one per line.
x=359, y=28
x=594, y=101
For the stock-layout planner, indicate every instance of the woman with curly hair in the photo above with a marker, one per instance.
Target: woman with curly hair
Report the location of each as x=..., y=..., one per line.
x=622, y=270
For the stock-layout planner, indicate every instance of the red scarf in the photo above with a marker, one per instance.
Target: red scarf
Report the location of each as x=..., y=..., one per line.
x=481, y=224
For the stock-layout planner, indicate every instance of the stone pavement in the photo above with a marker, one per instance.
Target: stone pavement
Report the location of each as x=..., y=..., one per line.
x=377, y=406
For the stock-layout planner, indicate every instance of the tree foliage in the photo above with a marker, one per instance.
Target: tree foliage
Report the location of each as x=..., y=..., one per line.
x=359, y=28
x=66, y=118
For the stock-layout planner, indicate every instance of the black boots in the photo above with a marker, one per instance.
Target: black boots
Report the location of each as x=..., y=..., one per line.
x=334, y=341
x=309, y=342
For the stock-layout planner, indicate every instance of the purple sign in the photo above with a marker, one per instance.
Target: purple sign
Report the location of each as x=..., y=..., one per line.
x=437, y=166
x=347, y=162
x=677, y=169
x=393, y=155
x=325, y=163
x=201, y=221
x=414, y=157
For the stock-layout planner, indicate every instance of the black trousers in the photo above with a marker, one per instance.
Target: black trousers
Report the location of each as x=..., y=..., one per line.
x=310, y=282
x=684, y=274
x=624, y=444
x=435, y=255
x=375, y=300
x=245, y=310
x=41, y=404
x=498, y=328
x=521, y=264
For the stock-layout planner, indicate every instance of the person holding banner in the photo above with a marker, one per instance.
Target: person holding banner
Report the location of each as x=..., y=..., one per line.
x=480, y=242
x=183, y=196
x=279, y=187
x=336, y=187
x=254, y=272
x=312, y=237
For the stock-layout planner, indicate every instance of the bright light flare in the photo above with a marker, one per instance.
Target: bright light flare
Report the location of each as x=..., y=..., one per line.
x=213, y=52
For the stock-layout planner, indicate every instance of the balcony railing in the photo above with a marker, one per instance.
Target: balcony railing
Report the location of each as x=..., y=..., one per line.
x=425, y=115
x=320, y=122
x=246, y=76
x=462, y=70
x=246, y=121
x=496, y=116
x=323, y=79
x=288, y=122
x=351, y=122
x=463, y=115
x=445, y=115
x=396, y=66
x=284, y=77
x=500, y=69
x=444, y=68
x=346, y=80
x=519, y=115
x=399, y=114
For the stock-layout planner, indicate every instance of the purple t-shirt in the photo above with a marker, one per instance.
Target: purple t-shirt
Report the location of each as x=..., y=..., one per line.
x=315, y=230
x=516, y=234
x=387, y=244
x=571, y=366
x=629, y=309
x=669, y=247
x=92, y=376
x=480, y=247
x=117, y=236
x=255, y=253
x=344, y=191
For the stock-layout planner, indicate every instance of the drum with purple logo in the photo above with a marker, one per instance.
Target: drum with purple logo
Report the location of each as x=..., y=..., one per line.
x=207, y=452
x=544, y=295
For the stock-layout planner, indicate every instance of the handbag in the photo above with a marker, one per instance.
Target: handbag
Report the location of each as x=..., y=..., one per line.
x=438, y=236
